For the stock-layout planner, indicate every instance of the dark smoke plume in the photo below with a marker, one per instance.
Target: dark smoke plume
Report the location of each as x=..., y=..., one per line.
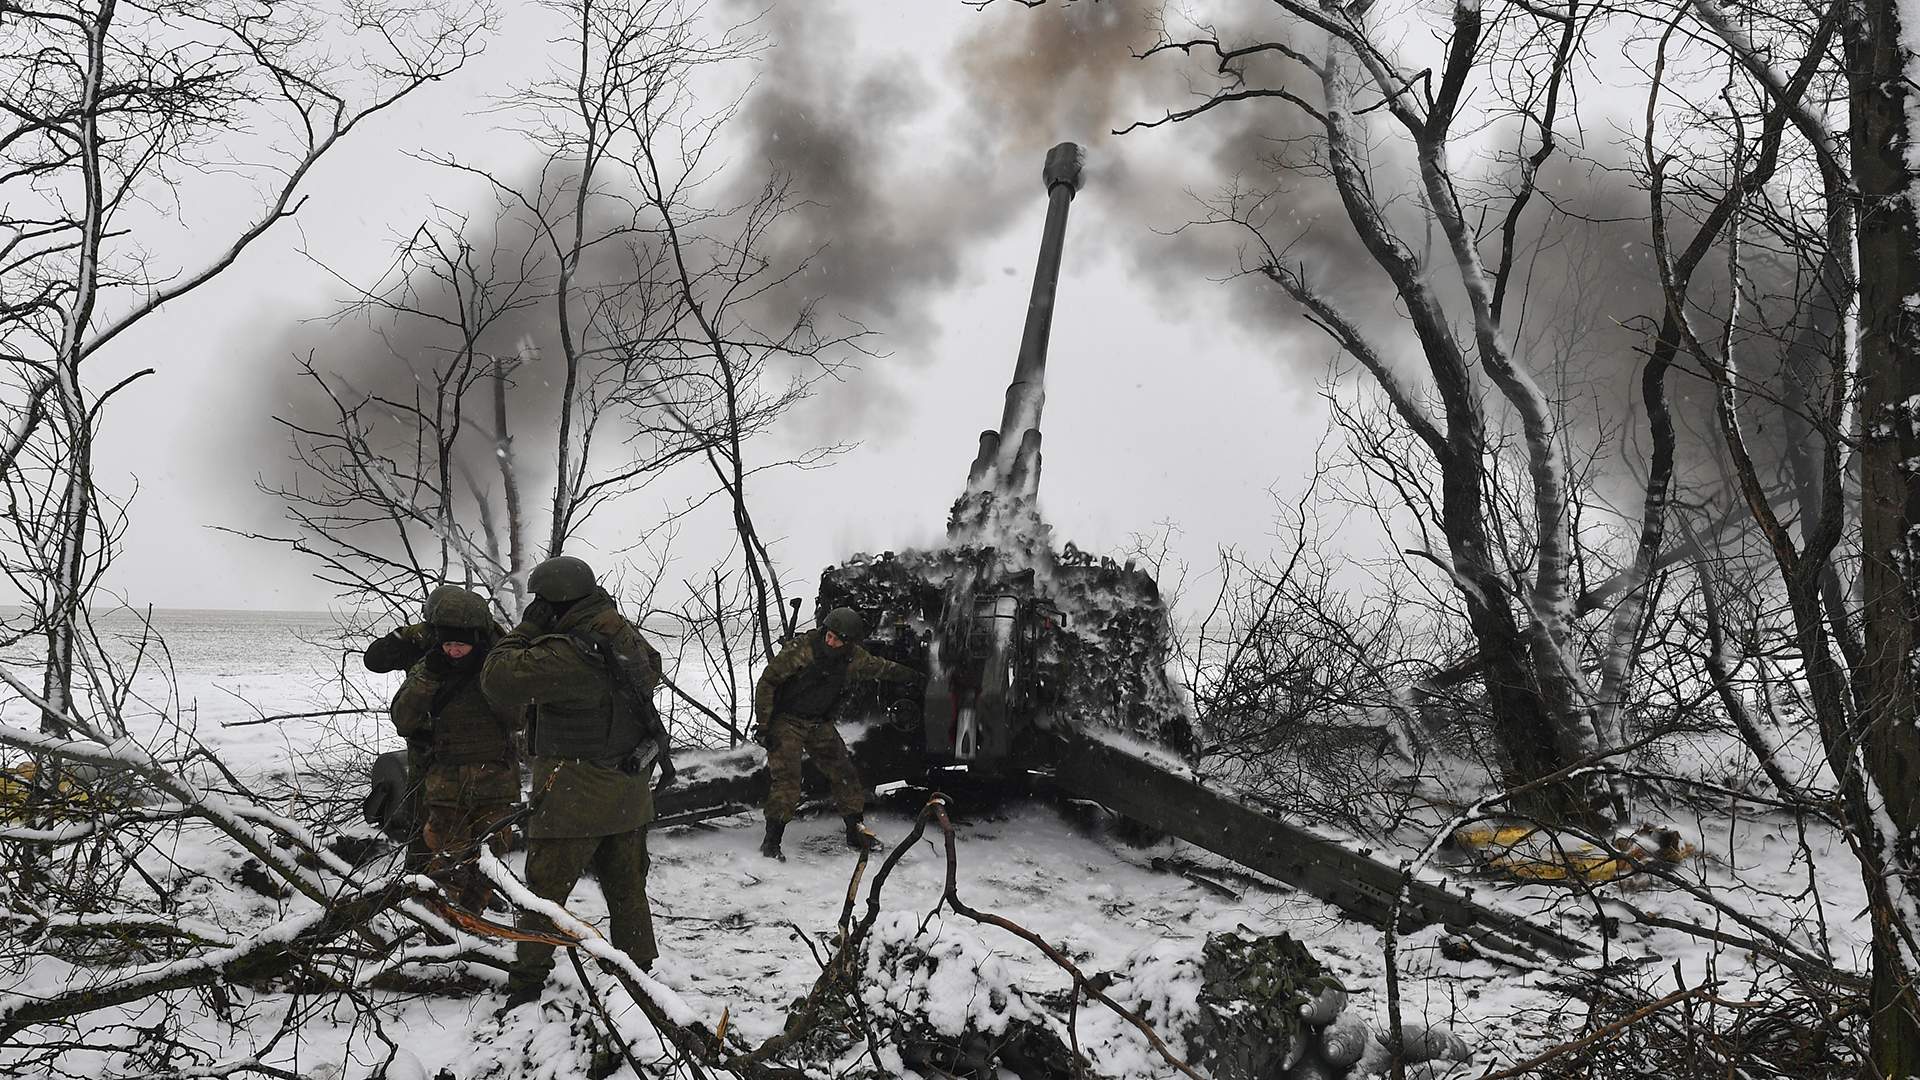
x=1585, y=296
x=902, y=187
x=886, y=221
x=367, y=350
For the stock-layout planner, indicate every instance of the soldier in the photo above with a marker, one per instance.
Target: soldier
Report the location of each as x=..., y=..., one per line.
x=792, y=705
x=463, y=766
x=594, y=735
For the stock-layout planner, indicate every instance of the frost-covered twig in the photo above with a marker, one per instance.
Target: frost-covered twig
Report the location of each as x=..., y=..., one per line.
x=118, y=924
x=1721, y=671
x=1598, y=1035
x=301, y=716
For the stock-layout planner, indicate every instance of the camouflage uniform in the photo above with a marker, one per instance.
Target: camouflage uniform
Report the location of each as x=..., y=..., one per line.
x=591, y=800
x=793, y=702
x=461, y=749
x=399, y=650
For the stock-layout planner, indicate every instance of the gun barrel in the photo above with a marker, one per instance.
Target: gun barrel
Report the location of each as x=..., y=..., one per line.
x=1026, y=394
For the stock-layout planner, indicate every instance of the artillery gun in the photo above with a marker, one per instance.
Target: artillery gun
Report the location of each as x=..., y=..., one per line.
x=1053, y=664
x=1020, y=641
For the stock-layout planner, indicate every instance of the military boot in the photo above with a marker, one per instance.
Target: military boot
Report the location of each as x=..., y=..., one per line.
x=859, y=837
x=770, y=847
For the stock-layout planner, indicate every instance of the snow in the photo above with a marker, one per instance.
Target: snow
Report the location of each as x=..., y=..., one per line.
x=1162, y=984
x=730, y=923
x=966, y=987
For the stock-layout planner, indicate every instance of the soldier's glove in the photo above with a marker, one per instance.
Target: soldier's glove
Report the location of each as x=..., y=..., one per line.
x=394, y=651
x=540, y=615
x=668, y=774
x=763, y=736
x=440, y=664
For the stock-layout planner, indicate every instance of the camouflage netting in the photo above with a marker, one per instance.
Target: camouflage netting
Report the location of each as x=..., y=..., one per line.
x=1252, y=993
x=1104, y=664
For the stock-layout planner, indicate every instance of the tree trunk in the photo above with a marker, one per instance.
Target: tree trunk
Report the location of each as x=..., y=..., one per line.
x=1624, y=627
x=1522, y=710
x=510, y=478
x=1889, y=503
x=1514, y=699
x=69, y=578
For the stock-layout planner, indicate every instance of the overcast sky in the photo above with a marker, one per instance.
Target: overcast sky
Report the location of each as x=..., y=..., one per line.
x=919, y=130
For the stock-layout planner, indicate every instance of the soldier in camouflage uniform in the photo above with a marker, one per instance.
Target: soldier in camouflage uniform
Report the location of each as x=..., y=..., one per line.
x=464, y=769
x=595, y=738
x=793, y=703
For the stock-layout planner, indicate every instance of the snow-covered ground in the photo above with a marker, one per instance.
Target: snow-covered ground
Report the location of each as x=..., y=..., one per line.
x=730, y=922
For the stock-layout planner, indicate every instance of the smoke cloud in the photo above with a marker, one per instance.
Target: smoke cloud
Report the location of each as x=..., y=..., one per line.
x=909, y=163
x=386, y=354
x=885, y=221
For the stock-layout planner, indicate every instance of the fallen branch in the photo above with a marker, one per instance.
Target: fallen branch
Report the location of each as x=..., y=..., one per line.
x=300, y=716
x=606, y=1018
x=123, y=755
x=272, y=951
x=270, y=838
x=670, y=1016
x=1798, y=963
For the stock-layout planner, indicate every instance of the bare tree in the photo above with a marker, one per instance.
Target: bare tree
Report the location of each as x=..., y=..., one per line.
x=1855, y=236
x=109, y=108
x=620, y=304
x=737, y=354
x=1538, y=692
x=419, y=479
x=1862, y=698
x=1783, y=248
x=725, y=350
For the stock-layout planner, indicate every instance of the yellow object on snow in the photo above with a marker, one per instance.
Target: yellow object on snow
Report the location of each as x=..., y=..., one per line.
x=1532, y=853
x=18, y=784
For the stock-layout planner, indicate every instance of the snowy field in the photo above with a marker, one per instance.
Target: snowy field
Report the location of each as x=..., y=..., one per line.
x=731, y=923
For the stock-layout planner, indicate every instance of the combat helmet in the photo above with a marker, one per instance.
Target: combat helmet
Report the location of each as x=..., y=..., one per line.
x=845, y=622
x=451, y=605
x=561, y=579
